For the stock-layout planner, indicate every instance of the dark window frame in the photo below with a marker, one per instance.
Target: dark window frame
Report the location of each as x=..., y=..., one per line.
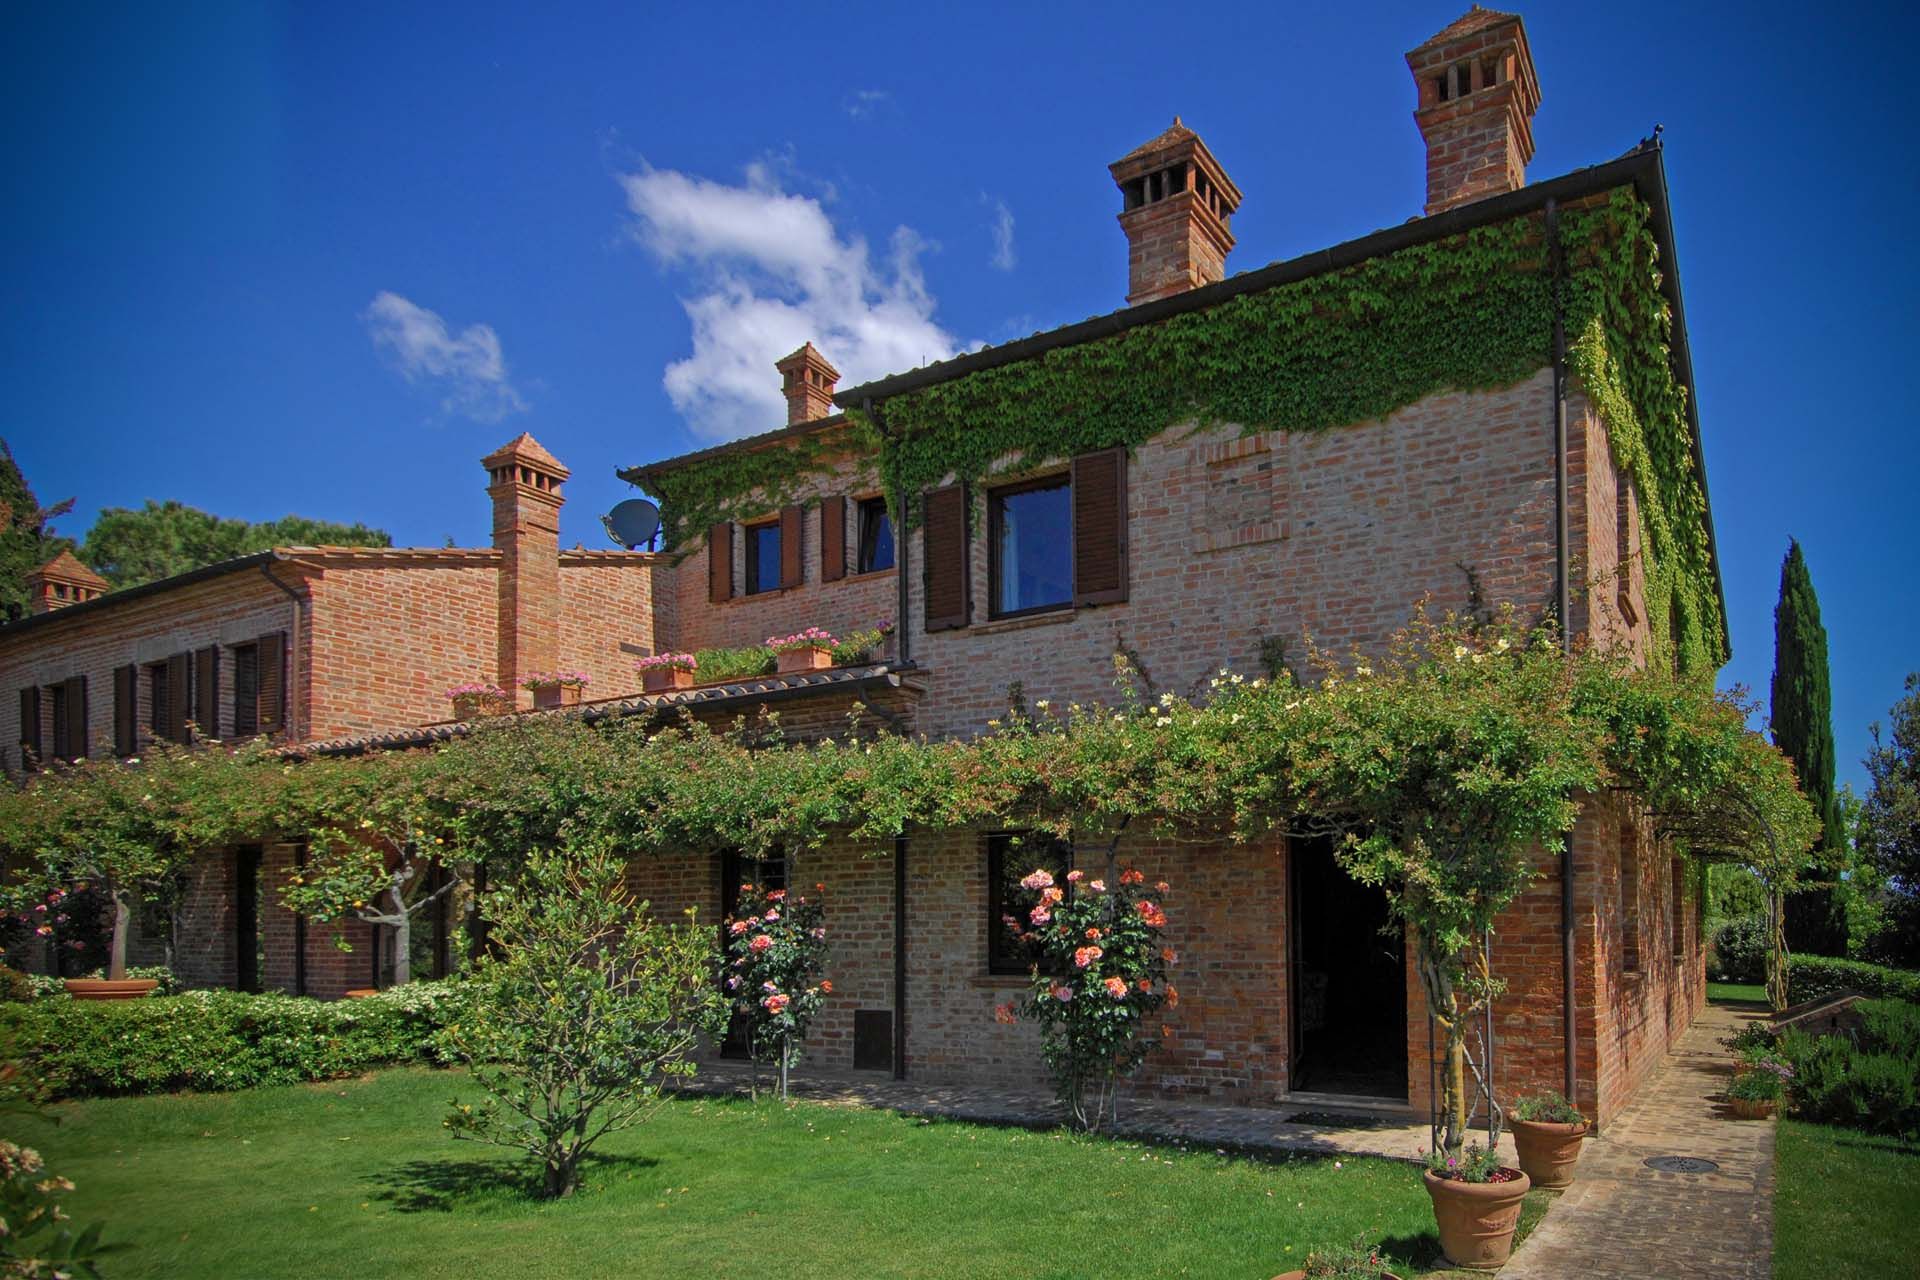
x=864, y=557
x=1005, y=957
x=996, y=498
x=751, y=532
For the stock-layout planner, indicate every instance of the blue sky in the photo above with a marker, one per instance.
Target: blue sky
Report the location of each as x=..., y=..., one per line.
x=320, y=259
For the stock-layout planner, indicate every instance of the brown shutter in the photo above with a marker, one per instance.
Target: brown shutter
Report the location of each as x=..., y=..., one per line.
x=720, y=563
x=246, y=690
x=273, y=682
x=792, y=567
x=179, y=695
x=76, y=726
x=32, y=749
x=206, y=691
x=126, y=710
x=833, y=539
x=1100, y=527
x=947, y=575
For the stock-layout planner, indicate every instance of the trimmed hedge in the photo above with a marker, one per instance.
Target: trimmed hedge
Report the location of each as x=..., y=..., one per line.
x=216, y=1040
x=1810, y=977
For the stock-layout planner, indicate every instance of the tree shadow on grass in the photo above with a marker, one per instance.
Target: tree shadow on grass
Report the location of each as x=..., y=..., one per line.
x=441, y=1186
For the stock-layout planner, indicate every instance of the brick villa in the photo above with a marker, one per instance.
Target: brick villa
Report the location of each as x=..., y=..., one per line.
x=1192, y=550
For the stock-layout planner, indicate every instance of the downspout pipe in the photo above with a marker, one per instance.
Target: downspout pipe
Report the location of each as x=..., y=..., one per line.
x=1562, y=607
x=293, y=649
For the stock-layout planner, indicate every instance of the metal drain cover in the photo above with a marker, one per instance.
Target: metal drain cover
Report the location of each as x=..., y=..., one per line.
x=1681, y=1164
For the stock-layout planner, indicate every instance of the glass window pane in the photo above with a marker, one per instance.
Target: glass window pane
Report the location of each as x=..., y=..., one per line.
x=876, y=536
x=763, y=558
x=1034, y=553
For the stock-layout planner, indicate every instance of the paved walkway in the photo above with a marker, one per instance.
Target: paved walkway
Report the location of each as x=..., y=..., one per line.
x=1623, y=1219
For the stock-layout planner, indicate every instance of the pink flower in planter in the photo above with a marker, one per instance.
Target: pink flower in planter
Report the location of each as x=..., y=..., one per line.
x=760, y=944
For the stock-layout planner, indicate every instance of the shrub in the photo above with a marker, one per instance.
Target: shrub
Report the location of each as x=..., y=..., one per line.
x=1891, y=1026
x=15, y=986
x=734, y=664
x=1765, y=1083
x=776, y=947
x=38, y=1242
x=1739, y=950
x=1866, y=1081
x=214, y=1040
x=1810, y=977
x=1546, y=1108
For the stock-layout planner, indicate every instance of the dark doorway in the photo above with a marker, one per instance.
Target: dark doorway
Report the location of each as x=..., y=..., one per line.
x=1349, y=1013
x=767, y=873
x=246, y=918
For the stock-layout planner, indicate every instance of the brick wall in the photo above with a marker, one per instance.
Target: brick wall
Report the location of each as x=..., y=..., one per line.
x=607, y=598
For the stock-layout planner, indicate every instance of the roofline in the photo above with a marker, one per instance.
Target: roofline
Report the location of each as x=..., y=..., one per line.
x=87, y=608
x=638, y=475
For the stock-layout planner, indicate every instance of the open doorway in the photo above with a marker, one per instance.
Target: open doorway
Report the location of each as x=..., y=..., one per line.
x=1349, y=1013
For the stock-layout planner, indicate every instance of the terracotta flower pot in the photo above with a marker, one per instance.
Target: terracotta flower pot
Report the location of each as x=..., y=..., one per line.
x=664, y=679
x=109, y=989
x=1547, y=1151
x=816, y=658
x=1752, y=1108
x=548, y=696
x=1477, y=1219
x=472, y=706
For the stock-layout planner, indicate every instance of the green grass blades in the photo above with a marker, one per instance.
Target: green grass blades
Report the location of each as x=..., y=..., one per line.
x=1844, y=1204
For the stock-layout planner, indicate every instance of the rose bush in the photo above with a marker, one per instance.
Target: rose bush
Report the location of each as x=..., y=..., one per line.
x=776, y=951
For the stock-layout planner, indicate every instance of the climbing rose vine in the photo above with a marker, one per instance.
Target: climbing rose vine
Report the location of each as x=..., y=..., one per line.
x=776, y=951
x=1100, y=974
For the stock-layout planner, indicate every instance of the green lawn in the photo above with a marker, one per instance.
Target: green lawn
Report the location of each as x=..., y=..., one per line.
x=1846, y=1204
x=1737, y=992
x=357, y=1180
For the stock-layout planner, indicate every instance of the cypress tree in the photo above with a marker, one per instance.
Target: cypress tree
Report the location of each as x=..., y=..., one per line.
x=1803, y=730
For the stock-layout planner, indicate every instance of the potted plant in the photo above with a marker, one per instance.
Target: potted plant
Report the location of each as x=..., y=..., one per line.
x=1547, y=1132
x=1755, y=1094
x=809, y=650
x=665, y=671
x=1476, y=1205
x=1358, y=1261
x=555, y=688
x=476, y=698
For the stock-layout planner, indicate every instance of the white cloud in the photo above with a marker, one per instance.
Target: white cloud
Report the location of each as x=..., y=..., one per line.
x=1003, y=258
x=769, y=270
x=865, y=104
x=468, y=368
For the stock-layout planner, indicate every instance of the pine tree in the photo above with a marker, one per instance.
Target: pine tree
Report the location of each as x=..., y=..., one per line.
x=27, y=539
x=1803, y=730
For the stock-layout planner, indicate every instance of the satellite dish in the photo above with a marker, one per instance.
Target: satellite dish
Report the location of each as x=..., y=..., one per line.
x=632, y=523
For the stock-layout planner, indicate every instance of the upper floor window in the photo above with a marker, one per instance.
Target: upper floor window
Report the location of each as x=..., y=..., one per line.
x=1030, y=531
x=763, y=557
x=876, y=536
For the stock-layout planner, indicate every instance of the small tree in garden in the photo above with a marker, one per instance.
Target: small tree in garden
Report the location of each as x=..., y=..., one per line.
x=1100, y=975
x=776, y=950
x=587, y=1008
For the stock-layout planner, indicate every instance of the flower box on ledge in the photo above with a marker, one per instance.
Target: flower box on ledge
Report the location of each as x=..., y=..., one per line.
x=556, y=689
x=471, y=702
x=665, y=672
x=809, y=650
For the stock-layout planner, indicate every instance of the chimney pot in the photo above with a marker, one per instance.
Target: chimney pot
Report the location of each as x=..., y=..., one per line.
x=1176, y=206
x=525, y=488
x=807, y=381
x=63, y=581
x=1475, y=95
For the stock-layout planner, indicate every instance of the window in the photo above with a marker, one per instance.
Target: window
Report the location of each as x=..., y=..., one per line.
x=1629, y=897
x=69, y=718
x=246, y=690
x=160, y=704
x=1010, y=858
x=1030, y=568
x=876, y=536
x=763, y=558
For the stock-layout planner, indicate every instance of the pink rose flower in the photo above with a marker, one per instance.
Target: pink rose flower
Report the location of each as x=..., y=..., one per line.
x=738, y=927
x=774, y=1003
x=1098, y=886
x=1040, y=914
x=760, y=943
x=1063, y=993
x=1076, y=876
x=1117, y=988
x=1037, y=880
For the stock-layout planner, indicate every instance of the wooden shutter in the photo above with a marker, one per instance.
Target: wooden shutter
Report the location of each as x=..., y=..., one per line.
x=76, y=726
x=126, y=710
x=720, y=563
x=1100, y=527
x=833, y=539
x=32, y=749
x=792, y=568
x=246, y=690
x=206, y=691
x=273, y=682
x=179, y=695
x=947, y=575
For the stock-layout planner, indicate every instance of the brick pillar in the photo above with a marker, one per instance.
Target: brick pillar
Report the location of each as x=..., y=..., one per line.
x=807, y=380
x=1177, y=205
x=1477, y=93
x=525, y=489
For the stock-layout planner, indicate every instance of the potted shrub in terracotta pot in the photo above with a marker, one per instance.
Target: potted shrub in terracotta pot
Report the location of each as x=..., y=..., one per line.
x=1547, y=1132
x=1476, y=1206
x=476, y=699
x=1358, y=1261
x=1755, y=1094
x=809, y=650
x=664, y=672
x=555, y=688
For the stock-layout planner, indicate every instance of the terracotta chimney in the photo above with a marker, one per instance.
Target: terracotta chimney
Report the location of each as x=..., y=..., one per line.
x=525, y=488
x=808, y=381
x=62, y=581
x=1177, y=204
x=1477, y=96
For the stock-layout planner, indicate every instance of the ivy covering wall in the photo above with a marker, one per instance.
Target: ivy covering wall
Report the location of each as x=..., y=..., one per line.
x=1470, y=313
